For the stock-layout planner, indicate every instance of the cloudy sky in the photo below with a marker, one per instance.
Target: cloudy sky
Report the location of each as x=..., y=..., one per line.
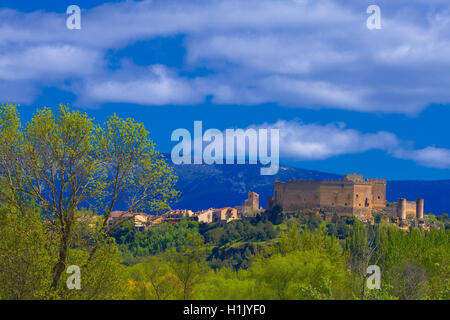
x=345, y=98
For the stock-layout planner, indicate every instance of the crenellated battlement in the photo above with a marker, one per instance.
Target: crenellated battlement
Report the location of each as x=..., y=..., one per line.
x=376, y=180
x=335, y=181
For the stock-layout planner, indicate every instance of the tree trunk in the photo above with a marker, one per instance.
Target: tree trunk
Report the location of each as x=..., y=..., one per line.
x=61, y=264
x=363, y=293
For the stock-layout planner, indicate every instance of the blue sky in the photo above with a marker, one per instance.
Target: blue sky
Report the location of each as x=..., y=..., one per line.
x=345, y=98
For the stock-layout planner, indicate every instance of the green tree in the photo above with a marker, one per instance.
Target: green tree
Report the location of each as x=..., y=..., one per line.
x=362, y=249
x=62, y=162
x=303, y=264
x=415, y=263
x=154, y=279
x=26, y=256
x=188, y=263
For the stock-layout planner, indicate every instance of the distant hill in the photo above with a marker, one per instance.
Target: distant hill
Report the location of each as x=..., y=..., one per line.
x=205, y=186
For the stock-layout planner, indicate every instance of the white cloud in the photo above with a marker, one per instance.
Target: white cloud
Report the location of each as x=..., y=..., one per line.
x=429, y=156
x=154, y=86
x=278, y=52
x=48, y=62
x=316, y=142
x=298, y=53
x=300, y=141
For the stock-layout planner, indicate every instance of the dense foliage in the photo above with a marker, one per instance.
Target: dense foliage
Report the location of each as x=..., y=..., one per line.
x=306, y=264
x=294, y=260
x=61, y=176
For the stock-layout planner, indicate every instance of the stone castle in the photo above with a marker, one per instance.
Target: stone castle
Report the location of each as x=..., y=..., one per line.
x=352, y=196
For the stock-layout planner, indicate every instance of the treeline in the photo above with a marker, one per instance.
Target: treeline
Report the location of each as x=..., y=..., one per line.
x=305, y=264
x=302, y=257
x=231, y=244
x=228, y=243
x=294, y=262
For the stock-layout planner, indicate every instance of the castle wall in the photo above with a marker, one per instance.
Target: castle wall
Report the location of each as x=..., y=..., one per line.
x=225, y=214
x=297, y=195
x=205, y=217
x=362, y=205
x=411, y=208
x=351, y=196
x=378, y=193
x=363, y=196
x=337, y=197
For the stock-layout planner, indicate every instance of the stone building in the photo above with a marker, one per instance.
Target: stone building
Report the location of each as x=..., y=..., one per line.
x=251, y=206
x=140, y=220
x=409, y=208
x=179, y=213
x=216, y=215
x=253, y=201
x=205, y=216
x=352, y=195
x=224, y=214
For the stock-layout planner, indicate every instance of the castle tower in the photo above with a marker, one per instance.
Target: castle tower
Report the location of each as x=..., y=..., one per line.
x=401, y=208
x=378, y=193
x=419, y=208
x=356, y=178
x=252, y=201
